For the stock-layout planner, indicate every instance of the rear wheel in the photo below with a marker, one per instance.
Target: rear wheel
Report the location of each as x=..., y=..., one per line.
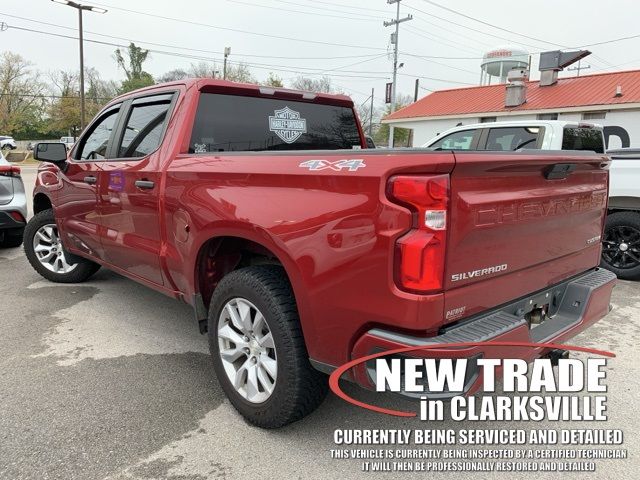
x=621, y=245
x=45, y=253
x=258, y=349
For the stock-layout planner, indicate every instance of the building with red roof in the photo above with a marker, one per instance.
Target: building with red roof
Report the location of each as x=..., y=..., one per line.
x=609, y=99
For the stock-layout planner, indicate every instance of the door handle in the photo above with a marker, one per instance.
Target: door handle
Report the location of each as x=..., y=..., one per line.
x=145, y=184
x=91, y=180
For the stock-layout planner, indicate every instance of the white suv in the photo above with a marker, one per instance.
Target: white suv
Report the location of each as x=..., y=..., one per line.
x=7, y=142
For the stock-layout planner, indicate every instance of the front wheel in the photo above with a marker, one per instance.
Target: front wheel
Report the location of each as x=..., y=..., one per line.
x=621, y=245
x=258, y=350
x=45, y=253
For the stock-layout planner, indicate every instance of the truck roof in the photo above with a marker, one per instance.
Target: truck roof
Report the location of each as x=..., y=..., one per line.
x=222, y=86
x=520, y=123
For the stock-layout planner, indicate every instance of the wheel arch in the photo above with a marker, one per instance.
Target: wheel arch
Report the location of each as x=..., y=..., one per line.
x=41, y=202
x=622, y=203
x=221, y=254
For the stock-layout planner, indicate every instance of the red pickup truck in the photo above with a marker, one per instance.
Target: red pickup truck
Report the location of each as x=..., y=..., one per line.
x=300, y=249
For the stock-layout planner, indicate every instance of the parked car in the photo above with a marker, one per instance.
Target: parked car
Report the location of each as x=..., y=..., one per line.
x=621, y=240
x=68, y=141
x=13, y=204
x=7, y=142
x=521, y=135
x=300, y=250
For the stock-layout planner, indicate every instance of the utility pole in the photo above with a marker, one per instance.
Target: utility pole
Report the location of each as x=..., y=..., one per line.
x=371, y=115
x=227, y=52
x=578, y=68
x=415, y=94
x=80, y=9
x=394, y=40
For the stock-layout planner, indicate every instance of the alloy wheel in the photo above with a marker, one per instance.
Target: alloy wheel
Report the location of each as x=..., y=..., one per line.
x=621, y=247
x=49, y=252
x=247, y=350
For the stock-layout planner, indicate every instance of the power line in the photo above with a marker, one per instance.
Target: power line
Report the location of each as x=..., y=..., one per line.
x=282, y=68
x=289, y=10
x=431, y=2
x=236, y=30
x=127, y=39
x=435, y=4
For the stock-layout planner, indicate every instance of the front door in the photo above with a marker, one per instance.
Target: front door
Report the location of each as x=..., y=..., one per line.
x=78, y=205
x=130, y=189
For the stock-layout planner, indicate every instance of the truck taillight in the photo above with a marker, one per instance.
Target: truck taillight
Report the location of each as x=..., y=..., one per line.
x=420, y=254
x=9, y=171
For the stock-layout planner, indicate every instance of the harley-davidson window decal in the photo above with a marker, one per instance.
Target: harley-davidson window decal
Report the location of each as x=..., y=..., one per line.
x=287, y=124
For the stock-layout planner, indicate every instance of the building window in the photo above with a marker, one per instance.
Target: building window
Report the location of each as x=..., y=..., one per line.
x=547, y=116
x=594, y=115
x=487, y=119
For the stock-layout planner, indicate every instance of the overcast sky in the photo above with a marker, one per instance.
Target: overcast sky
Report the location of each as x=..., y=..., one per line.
x=319, y=32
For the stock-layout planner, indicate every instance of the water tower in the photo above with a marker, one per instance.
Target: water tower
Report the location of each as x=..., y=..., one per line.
x=498, y=62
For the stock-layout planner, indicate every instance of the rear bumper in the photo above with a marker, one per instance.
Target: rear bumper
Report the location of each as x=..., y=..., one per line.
x=8, y=222
x=574, y=304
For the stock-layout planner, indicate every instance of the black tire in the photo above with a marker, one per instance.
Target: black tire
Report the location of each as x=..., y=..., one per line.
x=12, y=238
x=621, y=245
x=299, y=388
x=84, y=268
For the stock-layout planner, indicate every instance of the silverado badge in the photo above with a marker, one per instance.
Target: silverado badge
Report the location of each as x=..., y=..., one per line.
x=287, y=124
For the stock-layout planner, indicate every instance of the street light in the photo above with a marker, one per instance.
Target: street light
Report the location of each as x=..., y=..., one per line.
x=80, y=8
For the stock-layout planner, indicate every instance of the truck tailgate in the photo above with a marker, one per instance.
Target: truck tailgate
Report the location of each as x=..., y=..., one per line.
x=520, y=223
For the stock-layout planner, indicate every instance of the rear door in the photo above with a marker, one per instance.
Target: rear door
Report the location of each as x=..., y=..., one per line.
x=510, y=139
x=78, y=207
x=520, y=222
x=130, y=188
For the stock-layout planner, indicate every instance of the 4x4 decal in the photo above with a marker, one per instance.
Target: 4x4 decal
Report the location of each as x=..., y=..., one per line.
x=351, y=165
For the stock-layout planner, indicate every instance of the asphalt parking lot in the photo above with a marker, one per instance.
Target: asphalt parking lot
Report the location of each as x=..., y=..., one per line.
x=111, y=380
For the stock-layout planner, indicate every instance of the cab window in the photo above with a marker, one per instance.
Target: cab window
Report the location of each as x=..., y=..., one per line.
x=145, y=127
x=509, y=139
x=94, y=145
x=455, y=141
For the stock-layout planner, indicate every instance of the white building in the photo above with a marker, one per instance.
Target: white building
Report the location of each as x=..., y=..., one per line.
x=608, y=99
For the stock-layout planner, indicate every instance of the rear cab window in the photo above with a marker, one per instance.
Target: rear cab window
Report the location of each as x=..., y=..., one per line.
x=583, y=138
x=234, y=123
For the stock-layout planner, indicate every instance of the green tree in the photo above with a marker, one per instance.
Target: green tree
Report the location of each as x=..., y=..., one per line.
x=273, y=80
x=22, y=99
x=400, y=135
x=132, y=66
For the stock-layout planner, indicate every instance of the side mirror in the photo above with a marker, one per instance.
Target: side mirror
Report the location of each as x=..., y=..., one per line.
x=53, y=152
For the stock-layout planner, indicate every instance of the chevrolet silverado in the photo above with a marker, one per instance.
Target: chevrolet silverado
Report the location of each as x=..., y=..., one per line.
x=299, y=249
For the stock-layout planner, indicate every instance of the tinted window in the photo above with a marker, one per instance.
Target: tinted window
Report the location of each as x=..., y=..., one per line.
x=94, y=145
x=227, y=123
x=583, y=139
x=455, y=141
x=512, y=138
x=143, y=132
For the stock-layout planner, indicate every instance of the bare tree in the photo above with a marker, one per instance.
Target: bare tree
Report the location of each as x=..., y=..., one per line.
x=240, y=73
x=204, y=70
x=173, y=75
x=321, y=85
